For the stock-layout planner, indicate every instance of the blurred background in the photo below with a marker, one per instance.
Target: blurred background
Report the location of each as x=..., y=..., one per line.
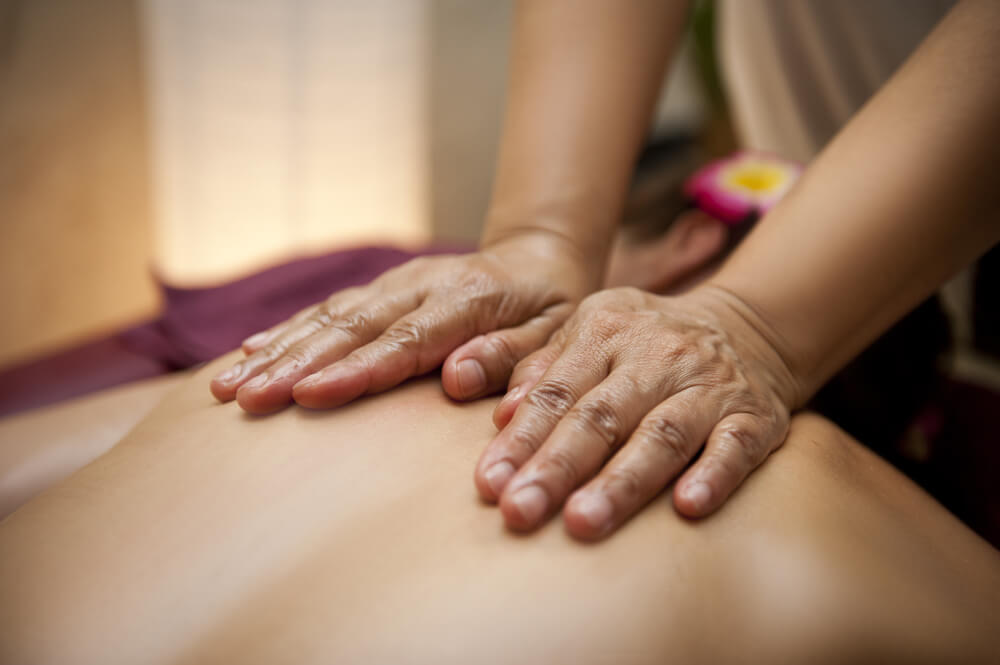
x=147, y=145
x=199, y=140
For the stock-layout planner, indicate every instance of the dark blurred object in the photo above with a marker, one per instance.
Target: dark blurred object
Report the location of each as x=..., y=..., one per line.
x=985, y=313
x=957, y=435
x=881, y=392
x=656, y=194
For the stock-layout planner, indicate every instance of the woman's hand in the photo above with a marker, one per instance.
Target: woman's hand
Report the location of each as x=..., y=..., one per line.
x=483, y=312
x=628, y=391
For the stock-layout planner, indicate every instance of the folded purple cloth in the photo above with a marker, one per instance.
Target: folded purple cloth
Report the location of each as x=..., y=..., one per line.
x=196, y=325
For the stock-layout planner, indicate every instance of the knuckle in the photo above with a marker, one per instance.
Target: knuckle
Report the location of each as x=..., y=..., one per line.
x=298, y=354
x=273, y=351
x=561, y=464
x=625, y=483
x=725, y=469
x=600, y=417
x=664, y=432
x=323, y=315
x=742, y=441
x=552, y=396
x=679, y=352
x=355, y=324
x=502, y=349
x=605, y=325
x=631, y=386
x=405, y=335
x=525, y=442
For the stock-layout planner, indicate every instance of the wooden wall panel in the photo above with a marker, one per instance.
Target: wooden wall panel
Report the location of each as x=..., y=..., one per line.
x=74, y=222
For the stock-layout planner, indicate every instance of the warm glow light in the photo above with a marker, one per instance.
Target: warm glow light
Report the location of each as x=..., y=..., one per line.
x=284, y=128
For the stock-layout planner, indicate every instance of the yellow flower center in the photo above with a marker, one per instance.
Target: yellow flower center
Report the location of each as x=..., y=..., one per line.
x=756, y=177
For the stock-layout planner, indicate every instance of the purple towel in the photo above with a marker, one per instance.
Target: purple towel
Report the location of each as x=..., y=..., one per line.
x=196, y=325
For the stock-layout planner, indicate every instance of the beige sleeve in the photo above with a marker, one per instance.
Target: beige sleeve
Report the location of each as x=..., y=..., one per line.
x=796, y=71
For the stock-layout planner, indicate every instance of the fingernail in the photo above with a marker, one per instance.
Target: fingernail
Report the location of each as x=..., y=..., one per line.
x=256, y=339
x=531, y=502
x=228, y=375
x=514, y=393
x=510, y=397
x=698, y=494
x=595, y=509
x=257, y=381
x=471, y=377
x=498, y=475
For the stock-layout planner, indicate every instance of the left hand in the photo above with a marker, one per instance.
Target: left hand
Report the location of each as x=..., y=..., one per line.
x=620, y=401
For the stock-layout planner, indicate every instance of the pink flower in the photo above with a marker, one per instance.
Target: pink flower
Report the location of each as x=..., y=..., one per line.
x=741, y=187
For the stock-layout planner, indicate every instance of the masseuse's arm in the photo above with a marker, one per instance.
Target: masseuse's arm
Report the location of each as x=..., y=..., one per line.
x=902, y=198
x=584, y=77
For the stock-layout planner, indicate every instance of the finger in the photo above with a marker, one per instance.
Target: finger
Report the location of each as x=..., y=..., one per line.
x=343, y=300
x=483, y=365
x=272, y=389
x=736, y=446
x=225, y=385
x=661, y=446
x=413, y=345
x=588, y=434
x=567, y=380
x=526, y=376
x=259, y=340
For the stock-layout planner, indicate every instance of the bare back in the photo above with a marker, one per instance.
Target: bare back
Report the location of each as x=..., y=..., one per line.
x=355, y=535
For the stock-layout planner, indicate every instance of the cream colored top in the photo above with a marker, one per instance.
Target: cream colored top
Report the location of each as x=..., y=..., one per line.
x=796, y=71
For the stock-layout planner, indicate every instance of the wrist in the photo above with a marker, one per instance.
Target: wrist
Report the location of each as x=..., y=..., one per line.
x=747, y=321
x=564, y=255
x=582, y=220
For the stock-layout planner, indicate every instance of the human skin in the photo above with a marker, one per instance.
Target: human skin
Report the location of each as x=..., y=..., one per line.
x=635, y=385
x=353, y=535
x=901, y=199
x=584, y=79
x=43, y=446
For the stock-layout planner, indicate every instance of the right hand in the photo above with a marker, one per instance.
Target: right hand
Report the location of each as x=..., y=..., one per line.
x=479, y=314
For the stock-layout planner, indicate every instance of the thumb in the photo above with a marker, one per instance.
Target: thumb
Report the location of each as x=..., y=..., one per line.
x=483, y=365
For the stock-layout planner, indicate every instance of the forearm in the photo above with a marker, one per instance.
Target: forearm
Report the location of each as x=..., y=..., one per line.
x=901, y=199
x=584, y=78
